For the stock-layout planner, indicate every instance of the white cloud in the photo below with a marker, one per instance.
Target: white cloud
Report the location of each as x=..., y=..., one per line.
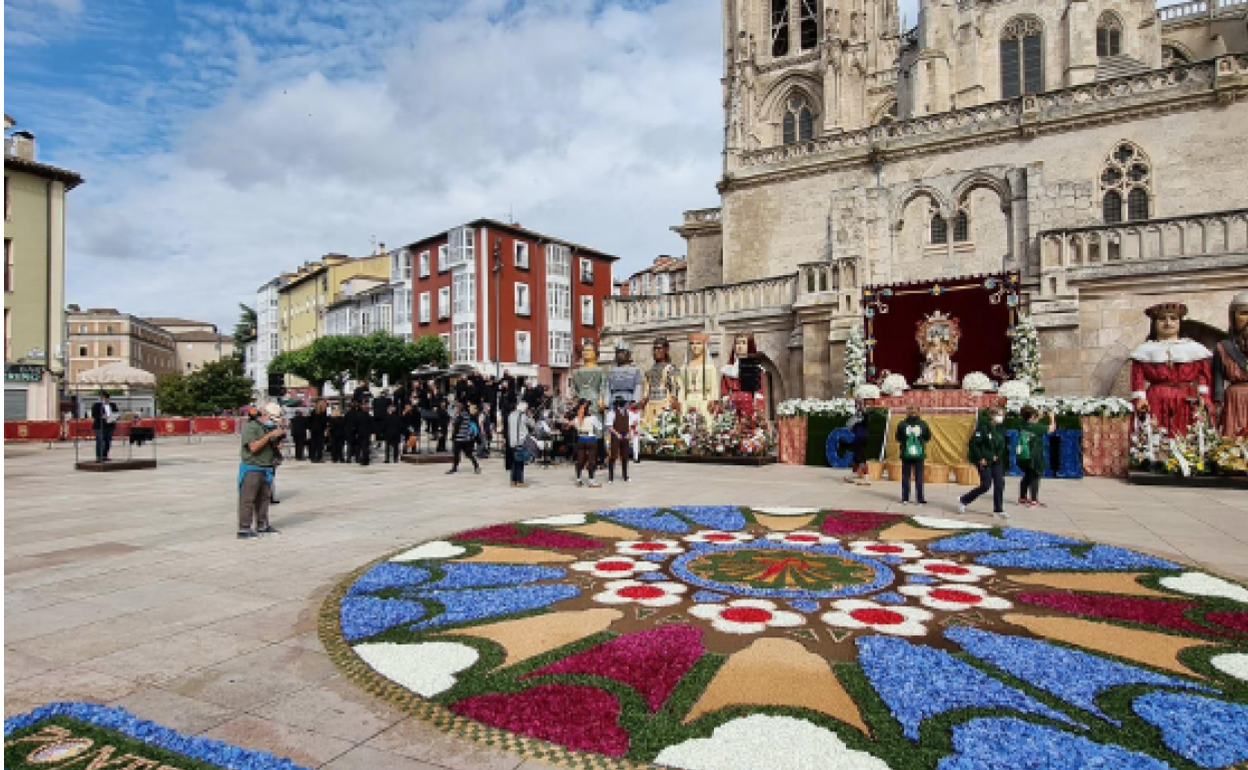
x=325, y=128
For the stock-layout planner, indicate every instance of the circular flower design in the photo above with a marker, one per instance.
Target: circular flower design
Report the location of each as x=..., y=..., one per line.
x=614, y=567
x=746, y=616
x=876, y=548
x=802, y=537
x=718, y=637
x=651, y=594
x=867, y=615
x=648, y=547
x=944, y=569
x=955, y=597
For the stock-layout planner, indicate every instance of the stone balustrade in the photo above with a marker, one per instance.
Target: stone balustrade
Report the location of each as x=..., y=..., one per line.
x=1198, y=9
x=828, y=283
x=767, y=296
x=1212, y=234
x=703, y=216
x=1030, y=112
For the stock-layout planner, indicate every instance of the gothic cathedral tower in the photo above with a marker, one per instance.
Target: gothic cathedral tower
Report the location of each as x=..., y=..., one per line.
x=795, y=70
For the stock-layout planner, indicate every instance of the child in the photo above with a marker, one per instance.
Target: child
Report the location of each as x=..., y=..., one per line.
x=987, y=453
x=1031, y=438
x=858, y=426
x=912, y=435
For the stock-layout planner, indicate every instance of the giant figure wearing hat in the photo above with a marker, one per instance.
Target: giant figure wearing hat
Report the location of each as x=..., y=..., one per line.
x=699, y=379
x=589, y=381
x=742, y=402
x=660, y=383
x=1170, y=375
x=1230, y=370
x=624, y=379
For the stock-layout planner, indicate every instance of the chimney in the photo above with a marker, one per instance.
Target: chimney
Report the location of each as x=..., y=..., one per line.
x=20, y=145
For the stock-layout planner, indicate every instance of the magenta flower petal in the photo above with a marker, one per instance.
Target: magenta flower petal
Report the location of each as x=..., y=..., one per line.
x=510, y=534
x=853, y=522
x=578, y=717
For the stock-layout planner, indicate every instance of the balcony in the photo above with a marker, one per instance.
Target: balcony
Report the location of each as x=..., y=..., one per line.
x=829, y=284
x=1198, y=9
x=1154, y=247
x=764, y=297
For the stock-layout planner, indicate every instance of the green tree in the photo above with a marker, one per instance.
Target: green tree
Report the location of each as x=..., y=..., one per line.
x=219, y=385
x=430, y=350
x=173, y=394
x=244, y=329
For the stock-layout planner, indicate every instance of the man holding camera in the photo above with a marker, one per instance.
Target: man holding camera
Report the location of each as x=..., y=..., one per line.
x=258, y=455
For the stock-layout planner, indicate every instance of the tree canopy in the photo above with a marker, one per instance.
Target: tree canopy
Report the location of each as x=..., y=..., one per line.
x=244, y=329
x=216, y=387
x=335, y=360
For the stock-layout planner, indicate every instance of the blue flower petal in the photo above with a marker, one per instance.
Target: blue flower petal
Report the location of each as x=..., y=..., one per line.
x=708, y=597
x=1009, y=540
x=1211, y=733
x=727, y=518
x=652, y=575
x=646, y=518
x=478, y=604
x=387, y=575
x=804, y=605
x=920, y=682
x=364, y=616
x=480, y=575
x=1012, y=744
x=1098, y=557
x=1073, y=676
x=889, y=597
x=920, y=579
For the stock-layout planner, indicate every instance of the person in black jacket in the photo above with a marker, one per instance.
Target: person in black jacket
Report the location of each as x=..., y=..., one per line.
x=337, y=435
x=987, y=452
x=465, y=432
x=363, y=436
x=912, y=436
x=104, y=415
x=440, y=426
x=411, y=429
x=351, y=430
x=381, y=409
x=393, y=430
x=299, y=432
x=318, y=424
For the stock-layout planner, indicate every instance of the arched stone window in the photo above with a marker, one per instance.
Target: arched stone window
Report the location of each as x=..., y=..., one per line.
x=962, y=225
x=940, y=229
x=779, y=27
x=810, y=24
x=799, y=121
x=1126, y=185
x=1108, y=35
x=1022, y=57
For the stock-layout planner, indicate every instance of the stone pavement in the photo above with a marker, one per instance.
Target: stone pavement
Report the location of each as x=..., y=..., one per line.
x=131, y=589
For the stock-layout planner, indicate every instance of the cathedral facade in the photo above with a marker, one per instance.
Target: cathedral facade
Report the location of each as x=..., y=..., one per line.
x=1096, y=148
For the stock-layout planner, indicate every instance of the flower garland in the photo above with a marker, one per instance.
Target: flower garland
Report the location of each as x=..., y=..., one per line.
x=1025, y=353
x=855, y=361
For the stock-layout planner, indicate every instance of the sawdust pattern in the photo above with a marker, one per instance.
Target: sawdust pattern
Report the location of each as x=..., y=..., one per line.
x=1094, y=582
x=1148, y=647
x=528, y=637
x=497, y=554
x=784, y=523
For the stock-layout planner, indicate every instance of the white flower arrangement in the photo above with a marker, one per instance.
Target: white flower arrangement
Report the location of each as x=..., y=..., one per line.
x=977, y=381
x=1015, y=390
x=867, y=390
x=1025, y=353
x=855, y=360
x=813, y=407
x=1072, y=407
x=894, y=385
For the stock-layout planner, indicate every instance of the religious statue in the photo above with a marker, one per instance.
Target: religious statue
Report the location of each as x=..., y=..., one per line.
x=1170, y=374
x=938, y=336
x=624, y=379
x=699, y=385
x=660, y=382
x=742, y=402
x=589, y=381
x=1230, y=370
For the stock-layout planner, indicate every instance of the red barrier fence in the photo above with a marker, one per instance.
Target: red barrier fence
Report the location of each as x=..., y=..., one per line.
x=47, y=430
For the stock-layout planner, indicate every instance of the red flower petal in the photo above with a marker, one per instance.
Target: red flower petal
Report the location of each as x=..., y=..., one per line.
x=581, y=718
x=1153, y=612
x=877, y=616
x=746, y=615
x=853, y=522
x=641, y=592
x=958, y=597
x=535, y=538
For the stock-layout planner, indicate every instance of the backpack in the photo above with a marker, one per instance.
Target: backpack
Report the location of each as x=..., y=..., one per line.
x=913, y=448
x=1024, y=446
x=473, y=429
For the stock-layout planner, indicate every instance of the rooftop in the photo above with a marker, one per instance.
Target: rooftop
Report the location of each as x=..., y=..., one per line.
x=71, y=178
x=516, y=229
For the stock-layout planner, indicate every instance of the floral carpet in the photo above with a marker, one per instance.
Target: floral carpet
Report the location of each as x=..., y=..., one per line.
x=710, y=638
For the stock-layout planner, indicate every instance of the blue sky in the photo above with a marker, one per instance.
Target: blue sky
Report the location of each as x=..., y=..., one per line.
x=225, y=142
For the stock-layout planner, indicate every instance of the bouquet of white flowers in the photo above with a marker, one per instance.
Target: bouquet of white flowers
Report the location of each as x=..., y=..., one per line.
x=1014, y=389
x=894, y=385
x=976, y=381
x=807, y=407
x=867, y=390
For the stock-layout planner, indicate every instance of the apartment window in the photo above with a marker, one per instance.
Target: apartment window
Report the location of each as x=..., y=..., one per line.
x=559, y=301
x=587, y=271
x=424, y=264
x=444, y=302
x=465, y=293
x=1022, y=57
x=424, y=307
x=443, y=258
x=522, y=299
x=587, y=310
x=7, y=200
x=82, y=351
x=558, y=261
x=8, y=259
x=446, y=341
x=108, y=351
x=465, y=341
x=560, y=348
x=522, y=255
x=523, y=352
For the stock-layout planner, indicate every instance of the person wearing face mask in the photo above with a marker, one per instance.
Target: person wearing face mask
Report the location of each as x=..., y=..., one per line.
x=987, y=453
x=912, y=436
x=258, y=457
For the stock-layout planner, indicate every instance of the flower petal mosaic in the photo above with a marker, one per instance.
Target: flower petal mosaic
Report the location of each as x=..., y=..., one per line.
x=724, y=637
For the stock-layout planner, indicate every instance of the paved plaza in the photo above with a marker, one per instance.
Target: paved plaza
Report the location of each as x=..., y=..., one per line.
x=131, y=589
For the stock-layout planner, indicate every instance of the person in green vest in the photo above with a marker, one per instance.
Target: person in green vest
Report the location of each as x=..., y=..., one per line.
x=258, y=457
x=912, y=436
x=987, y=453
x=1031, y=437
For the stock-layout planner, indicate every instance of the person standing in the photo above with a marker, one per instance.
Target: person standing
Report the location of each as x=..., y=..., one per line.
x=465, y=431
x=519, y=427
x=857, y=426
x=588, y=431
x=440, y=426
x=381, y=410
x=257, y=459
x=618, y=449
x=1031, y=438
x=104, y=416
x=337, y=435
x=987, y=452
x=411, y=429
x=485, y=421
x=299, y=432
x=318, y=424
x=363, y=436
x=912, y=436
x=393, y=430
x=350, y=424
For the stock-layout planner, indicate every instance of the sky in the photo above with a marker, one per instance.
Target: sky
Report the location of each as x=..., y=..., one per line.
x=223, y=142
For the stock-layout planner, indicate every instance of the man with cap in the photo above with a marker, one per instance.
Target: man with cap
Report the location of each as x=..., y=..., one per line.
x=258, y=457
x=1230, y=370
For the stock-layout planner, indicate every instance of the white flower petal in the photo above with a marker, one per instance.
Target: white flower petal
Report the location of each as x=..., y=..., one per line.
x=1200, y=584
x=1232, y=663
x=562, y=520
x=705, y=611
x=934, y=522
x=782, y=511
x=750, y=742
x=438, y=549
x=761, y=604
x=427, y=669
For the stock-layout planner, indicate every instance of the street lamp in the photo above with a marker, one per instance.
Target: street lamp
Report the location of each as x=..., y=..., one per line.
x=498, y=309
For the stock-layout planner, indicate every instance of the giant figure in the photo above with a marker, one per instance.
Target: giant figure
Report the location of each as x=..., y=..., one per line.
x=699, y=380
x=660, y=382
x=589, y=381
x=742, y=402
x=624, y=379
x=1170, y=375
x=1230, y=370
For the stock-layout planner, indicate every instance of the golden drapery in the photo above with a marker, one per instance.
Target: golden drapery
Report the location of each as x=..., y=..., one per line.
x=951, y=437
